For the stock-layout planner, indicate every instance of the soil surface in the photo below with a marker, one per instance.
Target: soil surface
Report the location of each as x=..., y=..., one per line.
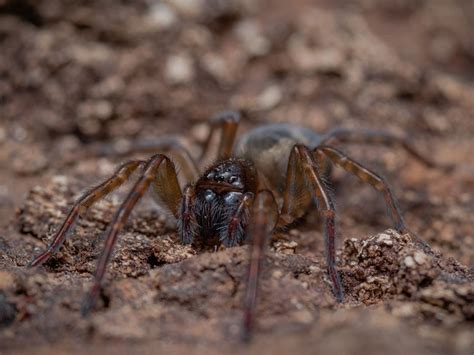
x=81, y=82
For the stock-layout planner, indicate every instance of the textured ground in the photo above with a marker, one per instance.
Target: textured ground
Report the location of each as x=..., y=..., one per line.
x=75, y=76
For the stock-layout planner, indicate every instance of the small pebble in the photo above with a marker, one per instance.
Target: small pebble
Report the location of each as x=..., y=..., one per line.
x=269, y=98
x=385, y=239
x=419, y=257
x=191, y=8
x=409, y=262
x=179, y=69
x=277, y=274
x=162, y=16
x=252, y=39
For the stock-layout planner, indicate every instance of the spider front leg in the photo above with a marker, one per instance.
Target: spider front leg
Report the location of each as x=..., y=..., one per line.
x=302, y=174
x=187, y=225
x=233, y=232
x=170, y=146
x=368, y=176
x=264, y=217
x=82, y=204
x=157, y=168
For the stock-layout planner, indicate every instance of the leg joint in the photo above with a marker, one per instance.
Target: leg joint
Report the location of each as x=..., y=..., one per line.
x=227, y=116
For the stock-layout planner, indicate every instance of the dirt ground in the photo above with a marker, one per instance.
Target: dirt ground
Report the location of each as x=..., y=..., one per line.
x=87, y=77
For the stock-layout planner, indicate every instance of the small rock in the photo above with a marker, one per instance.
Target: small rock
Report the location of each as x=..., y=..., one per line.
x=286, y=247
x=420, y=257
x=384, y=239
x=179, y=69
x=252, y=39
x=19, y=133
x=103, y=109
x=189, y=8
x=309, y=59
x=216, y=66
x=60, y=180
x=269, y=98
x=277, y=274
x=111, y=86
x=162, y=16
x=200, y=131
x=409, y=262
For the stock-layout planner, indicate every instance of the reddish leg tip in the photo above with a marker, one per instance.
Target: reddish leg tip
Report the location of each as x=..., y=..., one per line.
x=246, y=333
x=246, y=337
x=337, y=288
x=339, y=295
x=37, y=261
x=90, y=300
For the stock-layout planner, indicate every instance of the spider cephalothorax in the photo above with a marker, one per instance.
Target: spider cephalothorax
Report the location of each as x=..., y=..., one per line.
x=236, y=198
x=216, y=207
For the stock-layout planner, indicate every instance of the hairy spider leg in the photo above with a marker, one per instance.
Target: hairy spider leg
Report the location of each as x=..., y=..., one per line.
x=166, y=186
x=121, y=175
x=368, y=176
x=227, y=122
x=187, y=225
x=170, y=145
x=151, y=172
x=239, y=217
x=303, y=173
x=264, y=217
x=344, y=135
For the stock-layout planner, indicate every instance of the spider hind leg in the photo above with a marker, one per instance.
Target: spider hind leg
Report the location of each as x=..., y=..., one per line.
x=368, y=176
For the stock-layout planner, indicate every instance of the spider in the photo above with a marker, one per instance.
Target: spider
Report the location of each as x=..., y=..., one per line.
x=271, y=179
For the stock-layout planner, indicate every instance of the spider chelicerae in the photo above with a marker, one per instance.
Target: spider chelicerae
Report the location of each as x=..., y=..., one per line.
x=270, y=179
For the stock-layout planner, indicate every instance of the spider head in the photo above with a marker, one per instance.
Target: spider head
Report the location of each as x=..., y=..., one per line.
x=212, y=212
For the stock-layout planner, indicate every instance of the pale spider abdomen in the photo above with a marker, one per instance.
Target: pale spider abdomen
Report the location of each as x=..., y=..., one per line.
x=269, y=147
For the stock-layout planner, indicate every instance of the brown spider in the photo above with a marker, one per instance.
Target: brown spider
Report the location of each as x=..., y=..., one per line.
x=236, y=198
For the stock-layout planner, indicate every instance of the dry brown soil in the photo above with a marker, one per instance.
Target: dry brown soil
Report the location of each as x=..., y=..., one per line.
x=80, y=76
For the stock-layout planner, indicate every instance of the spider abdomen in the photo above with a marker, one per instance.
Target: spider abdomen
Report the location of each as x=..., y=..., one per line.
x=269, y=147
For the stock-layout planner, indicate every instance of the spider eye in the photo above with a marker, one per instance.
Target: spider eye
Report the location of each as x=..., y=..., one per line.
x=233, y=179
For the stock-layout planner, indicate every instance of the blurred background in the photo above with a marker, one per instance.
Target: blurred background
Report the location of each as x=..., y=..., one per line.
x=77, y=74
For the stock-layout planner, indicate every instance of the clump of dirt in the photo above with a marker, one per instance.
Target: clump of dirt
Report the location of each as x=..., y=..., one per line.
x=392, y=266
x=389, y=264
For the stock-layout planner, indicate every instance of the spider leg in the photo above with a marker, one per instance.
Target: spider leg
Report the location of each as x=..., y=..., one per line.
x=369, y=136
x=166, y=186
x=83, y=203
x=150, y=172
x=227, y=122
x=264, y=217
x=187, y=219
x=303, y=173
x=233, y=232
x=367, y=176
x=170, y=145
